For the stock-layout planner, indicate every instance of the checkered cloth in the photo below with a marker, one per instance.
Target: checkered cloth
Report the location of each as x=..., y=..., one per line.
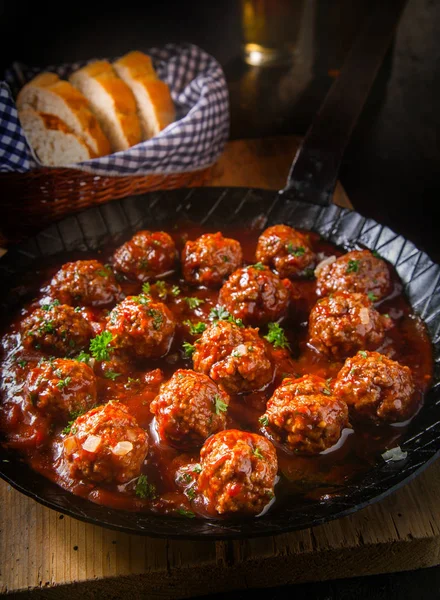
x=194, y=141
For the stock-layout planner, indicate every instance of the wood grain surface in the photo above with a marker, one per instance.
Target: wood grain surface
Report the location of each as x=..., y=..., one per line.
x=54, y=556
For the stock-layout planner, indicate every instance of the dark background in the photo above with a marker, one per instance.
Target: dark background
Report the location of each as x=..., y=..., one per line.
x=391, y=167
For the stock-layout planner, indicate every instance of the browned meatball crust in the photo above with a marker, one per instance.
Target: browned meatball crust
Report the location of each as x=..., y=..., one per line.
x=357, y=271
x=255, y=295
x=235, y=357
x=238, y=474
x=210, y=259
x=304, y=415
x=286, y=250
x=189, y=408
x=85, y=282
x=149, y=254
x=141, y=327
x=343, y=323
x=61, y=386
x=376, y=388
x=105, y=444
x=57, y=329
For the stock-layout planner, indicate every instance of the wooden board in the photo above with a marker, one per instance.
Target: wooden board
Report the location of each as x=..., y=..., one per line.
x=59, y=557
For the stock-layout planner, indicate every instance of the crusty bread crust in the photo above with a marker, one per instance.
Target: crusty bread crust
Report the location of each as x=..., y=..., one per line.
x=124, y=103
x=48, y=94
x=155, y=105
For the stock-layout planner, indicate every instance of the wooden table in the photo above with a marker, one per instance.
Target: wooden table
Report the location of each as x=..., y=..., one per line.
x=56, y=556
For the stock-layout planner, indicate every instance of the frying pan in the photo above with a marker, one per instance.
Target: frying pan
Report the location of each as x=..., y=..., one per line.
x=305, y=203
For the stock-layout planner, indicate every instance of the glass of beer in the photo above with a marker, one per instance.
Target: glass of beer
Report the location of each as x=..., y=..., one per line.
x=270, y=30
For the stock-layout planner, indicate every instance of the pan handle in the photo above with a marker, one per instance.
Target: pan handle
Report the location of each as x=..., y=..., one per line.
x=315, y=168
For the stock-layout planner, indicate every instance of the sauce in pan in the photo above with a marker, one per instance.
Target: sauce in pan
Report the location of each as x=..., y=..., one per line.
x=156, y=470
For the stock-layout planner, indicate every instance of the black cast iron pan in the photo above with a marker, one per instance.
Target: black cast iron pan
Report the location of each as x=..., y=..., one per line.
x=304, y=203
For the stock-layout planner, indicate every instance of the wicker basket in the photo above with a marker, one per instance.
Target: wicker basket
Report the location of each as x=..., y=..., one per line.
x=32, y=200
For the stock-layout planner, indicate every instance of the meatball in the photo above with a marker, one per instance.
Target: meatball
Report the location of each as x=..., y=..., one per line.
x=233, y=356
x=210, y=259
x=255, y=295
x=147, y=255
x=141, y=327
x=57, y=329
x=304, y=416
x=239, y=471
x=85, y=282
x=286, y=250
x=106, y=444
x=189, y=408
x=377, y=388
x=343, y=323
x=357, y=271
x=61, y=387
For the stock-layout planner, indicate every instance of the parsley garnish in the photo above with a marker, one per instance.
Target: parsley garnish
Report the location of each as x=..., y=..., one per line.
x=363, y=353
x=376, y=254
x=276, y=336
x=309, y=273
x=186, y=513
x=257, y=452
x=144, y=489
x=22, y=363
x=190, y=493
x=259, y=266
x=103, y=273
x=221, y=314
x=225, y=259
x=51, y=305
x=193, y=302
x=157, y=318
x=264, y=420
x=353, y=266
x=372, y=296
x=111, y=375
x=195, y=329
x=47, y=327
x=188, y=349
x=161, y=288
x=146, y=288
x=197, y=468
x=72, y=418
x=83, y=357
x=220, y=406
x=99, y=346
x=298, y=251
x=141, y=299
x=175, y=290
x=63, y=382
x=327, y=391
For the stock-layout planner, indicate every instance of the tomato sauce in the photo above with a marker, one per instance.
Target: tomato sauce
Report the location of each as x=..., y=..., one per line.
x=170, y=471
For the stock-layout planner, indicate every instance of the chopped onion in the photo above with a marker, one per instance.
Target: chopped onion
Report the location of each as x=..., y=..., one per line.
x=69, y=445
x=364, y=315
x=92, y=443
x=395, y=454
x=122, y=448
x=327, y=261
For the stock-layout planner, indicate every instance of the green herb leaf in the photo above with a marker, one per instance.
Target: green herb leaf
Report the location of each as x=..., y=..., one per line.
x=22, y=363
x=372, y=296
x=309, y=273
x=264, y=420
x=161, y=288
x=225, y=258
x=196, y=329
x=295, y=251
x=363, y=353
x=111, y=375
x=220, y=406
x=144, y=489
x=142, y=299
x=197, y=468
x=376, y=254
x=276, y=336
x=99, y=346
x=146, y=288
x=193, y=302
x=51, y=305
x=175, y=290
x=72, y=418
x=103, y=273
x=188, y=349
x=218, y=313
x=353, y=266
x=259, y=266
x=83, y=357
x=63, y=382
x=190, y=493
x=327, y=391
x=257, y=452
x=186, y=513
x=157, y=318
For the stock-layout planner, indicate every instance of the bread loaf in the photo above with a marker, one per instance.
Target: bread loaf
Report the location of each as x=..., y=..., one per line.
x=112, y=102
x=154, y=103
x=54, y=142
x=50, y=95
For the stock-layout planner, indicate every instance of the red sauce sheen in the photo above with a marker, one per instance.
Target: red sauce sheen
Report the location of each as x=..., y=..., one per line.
x=171, y=472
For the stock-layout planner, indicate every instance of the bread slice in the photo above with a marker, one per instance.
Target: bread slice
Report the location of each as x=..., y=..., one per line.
x=155, y=105
x=48, y=94
x=112, y=102
x=52, y=140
